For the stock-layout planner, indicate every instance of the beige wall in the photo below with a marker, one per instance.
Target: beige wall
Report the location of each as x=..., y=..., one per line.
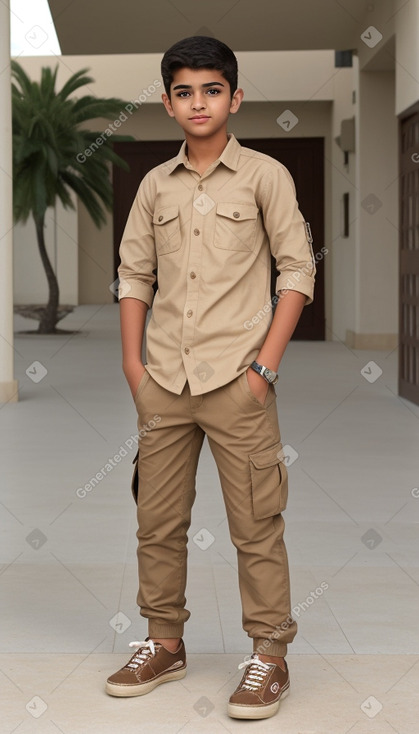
x=263, y=74
x=400, y=19
x=95, y=259
x=382, y=15
x=30, y=284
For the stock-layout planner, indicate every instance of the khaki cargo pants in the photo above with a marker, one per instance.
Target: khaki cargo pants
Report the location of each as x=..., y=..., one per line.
x=245, y=441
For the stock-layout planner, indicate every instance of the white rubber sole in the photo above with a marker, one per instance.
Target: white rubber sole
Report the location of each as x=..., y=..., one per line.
x=125, y=691
x=239, y=711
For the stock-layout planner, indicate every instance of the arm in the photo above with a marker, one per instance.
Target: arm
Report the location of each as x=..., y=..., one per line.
x=133, y=314
x=137, y=276
x=291, y=248
x=287, y=314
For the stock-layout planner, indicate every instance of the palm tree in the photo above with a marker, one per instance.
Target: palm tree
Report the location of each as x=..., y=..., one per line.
x=49, y=158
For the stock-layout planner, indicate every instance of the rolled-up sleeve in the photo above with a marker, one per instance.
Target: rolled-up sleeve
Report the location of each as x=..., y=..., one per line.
x=288, y=234
x=137, y=249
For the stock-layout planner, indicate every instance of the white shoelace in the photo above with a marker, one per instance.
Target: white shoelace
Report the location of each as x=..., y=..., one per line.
x=140, y=657
x=256, y=674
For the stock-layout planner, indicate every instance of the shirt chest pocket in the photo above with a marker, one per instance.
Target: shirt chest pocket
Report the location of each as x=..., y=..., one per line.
x=166, y=224
x=235, y=226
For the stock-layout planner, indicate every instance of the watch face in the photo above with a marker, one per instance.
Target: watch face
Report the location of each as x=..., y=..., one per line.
x=270, y=375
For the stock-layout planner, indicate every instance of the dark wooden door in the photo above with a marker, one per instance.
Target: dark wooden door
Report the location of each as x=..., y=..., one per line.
x=409, y=258
x=304, y=158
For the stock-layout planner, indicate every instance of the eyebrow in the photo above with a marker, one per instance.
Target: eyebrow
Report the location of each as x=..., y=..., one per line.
x=189, y=86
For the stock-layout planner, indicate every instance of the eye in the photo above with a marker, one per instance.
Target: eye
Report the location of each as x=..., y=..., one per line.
x=213, y=92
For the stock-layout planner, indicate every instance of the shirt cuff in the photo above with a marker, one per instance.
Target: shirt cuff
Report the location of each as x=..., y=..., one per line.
x=296, y=281
x=132, y=288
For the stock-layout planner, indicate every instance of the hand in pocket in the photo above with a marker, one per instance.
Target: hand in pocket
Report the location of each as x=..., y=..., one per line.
x=134, y=374
x=257, y=385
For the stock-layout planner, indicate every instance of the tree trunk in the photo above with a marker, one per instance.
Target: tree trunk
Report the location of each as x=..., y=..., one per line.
x=50, y=315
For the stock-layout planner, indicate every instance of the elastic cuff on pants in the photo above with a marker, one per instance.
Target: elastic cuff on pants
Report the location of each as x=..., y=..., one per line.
x=156, y=629
x=266, y=646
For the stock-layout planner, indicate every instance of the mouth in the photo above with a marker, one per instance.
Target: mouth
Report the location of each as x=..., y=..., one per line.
x=200, y=117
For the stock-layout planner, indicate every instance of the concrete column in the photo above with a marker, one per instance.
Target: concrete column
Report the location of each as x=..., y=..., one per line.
x=376, y=215
x=8, y=386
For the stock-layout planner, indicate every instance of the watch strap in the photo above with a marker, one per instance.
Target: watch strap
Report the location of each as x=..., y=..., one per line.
x=257, y=367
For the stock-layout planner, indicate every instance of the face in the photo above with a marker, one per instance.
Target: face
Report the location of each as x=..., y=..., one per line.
x=200, y=101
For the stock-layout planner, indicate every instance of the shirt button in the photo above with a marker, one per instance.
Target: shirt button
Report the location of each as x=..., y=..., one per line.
x=236, y=214
x=189, y=313
x=196, y=231
x=200, y=187
x=192, y=274
x=160, y=217
x=187, y=350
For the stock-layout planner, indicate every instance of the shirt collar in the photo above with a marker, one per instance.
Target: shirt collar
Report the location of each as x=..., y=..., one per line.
x=229, y=157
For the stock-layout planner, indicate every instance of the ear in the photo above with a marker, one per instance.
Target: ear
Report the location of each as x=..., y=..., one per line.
x=236, y=100
x=167, y=104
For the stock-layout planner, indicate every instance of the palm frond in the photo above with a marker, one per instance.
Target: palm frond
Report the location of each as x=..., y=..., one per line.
x=75, y=82
x=86, y=195
x=47, y=85
x=20, y=75
x=48, y=135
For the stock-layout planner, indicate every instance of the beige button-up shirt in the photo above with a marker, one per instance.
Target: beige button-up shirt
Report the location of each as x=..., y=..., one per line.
x=211, y=238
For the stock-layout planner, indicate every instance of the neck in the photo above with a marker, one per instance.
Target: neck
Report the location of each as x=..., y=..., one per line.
x=203, y=151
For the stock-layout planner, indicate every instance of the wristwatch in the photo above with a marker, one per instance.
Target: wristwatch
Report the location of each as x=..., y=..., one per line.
x=269, y=375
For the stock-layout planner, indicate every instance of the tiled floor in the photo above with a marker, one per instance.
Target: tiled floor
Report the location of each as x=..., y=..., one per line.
x=69, y=563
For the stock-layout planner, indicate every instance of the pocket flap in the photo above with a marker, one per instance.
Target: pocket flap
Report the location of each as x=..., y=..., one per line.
x=161, y=216
x=237, y=212
x=269, y=482
x=268, y=457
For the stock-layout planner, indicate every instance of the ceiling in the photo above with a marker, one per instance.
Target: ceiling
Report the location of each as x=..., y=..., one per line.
x=130, y=26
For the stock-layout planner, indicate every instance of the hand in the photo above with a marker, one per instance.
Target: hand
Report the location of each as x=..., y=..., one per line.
x=257, y=385
x=134, y=373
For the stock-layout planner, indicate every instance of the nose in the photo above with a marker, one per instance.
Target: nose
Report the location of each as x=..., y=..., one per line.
x=198, y=102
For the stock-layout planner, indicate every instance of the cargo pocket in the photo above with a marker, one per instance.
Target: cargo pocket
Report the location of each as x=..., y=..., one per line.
x=269, y=482
x=167, y=229
x=134, y=482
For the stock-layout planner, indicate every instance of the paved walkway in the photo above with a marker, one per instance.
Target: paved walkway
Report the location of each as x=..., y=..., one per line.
x=69, y=577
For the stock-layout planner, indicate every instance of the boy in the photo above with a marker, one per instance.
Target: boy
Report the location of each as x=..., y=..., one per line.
x=208, y=220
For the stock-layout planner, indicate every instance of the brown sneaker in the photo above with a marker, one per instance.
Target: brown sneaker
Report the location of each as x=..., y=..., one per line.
x=150, y=665
x=258, y=693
